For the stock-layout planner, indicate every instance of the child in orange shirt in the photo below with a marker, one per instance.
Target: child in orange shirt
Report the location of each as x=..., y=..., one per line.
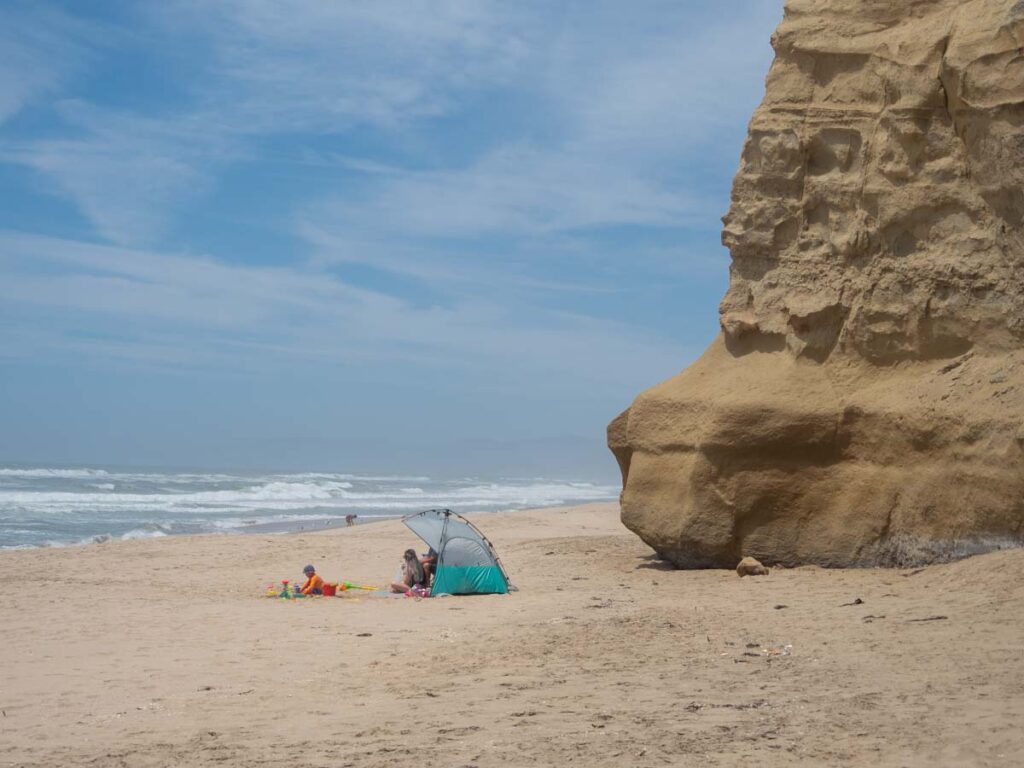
x=314, y=584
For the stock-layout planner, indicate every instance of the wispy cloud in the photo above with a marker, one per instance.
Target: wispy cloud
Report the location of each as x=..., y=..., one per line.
x=634, y=114
x=202, y=311
x=517, y=190
x=298, y=66
x=662, y=85
x=124, y=172
x=630, y=128
x=272, y=68
x=618, y=108
x=40, y=48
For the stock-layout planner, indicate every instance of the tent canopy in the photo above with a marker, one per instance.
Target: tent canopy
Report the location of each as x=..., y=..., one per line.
x=466, y=562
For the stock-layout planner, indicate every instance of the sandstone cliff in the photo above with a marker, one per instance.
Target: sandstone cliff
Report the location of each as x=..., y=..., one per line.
x=864, y=401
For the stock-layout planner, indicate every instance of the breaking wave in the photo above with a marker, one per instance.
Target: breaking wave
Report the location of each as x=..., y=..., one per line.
x=58, y=507
x=44, y=472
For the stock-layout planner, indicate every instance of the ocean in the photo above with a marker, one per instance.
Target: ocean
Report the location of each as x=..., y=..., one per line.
x=49, y=506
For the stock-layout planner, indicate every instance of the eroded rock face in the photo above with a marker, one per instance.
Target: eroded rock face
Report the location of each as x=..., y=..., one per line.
x=864, y=402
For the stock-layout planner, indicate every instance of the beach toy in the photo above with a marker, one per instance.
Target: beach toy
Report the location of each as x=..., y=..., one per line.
x=350, y=585
x=271, y=592
x=286, y=591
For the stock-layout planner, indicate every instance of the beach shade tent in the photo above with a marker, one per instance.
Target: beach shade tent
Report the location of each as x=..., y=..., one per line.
x=466, y=562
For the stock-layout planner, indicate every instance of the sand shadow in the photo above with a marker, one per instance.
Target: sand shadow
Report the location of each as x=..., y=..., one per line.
x=655, y=563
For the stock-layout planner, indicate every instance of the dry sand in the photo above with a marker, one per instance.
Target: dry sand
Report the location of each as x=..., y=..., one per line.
x=165, y=653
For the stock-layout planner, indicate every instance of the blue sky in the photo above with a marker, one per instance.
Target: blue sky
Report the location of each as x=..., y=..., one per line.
x=443, y=236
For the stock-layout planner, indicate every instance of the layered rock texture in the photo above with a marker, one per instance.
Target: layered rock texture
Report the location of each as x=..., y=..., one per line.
x=865, y=399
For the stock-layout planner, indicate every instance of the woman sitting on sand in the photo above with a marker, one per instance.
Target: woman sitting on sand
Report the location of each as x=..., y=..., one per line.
x=412, y=574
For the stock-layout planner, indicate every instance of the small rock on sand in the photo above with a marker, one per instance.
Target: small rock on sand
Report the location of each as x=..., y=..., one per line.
x=750, y=567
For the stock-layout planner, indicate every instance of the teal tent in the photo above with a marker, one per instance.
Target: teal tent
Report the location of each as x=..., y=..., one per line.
x=466, y=561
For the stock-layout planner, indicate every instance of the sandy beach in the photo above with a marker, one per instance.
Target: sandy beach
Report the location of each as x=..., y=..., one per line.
x=165, y=652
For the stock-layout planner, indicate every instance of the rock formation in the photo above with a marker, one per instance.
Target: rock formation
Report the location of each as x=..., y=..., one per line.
x=864, y=401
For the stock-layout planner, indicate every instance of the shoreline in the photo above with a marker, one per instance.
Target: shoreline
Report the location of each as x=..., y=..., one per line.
x=165, y=652
x=271, y=528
